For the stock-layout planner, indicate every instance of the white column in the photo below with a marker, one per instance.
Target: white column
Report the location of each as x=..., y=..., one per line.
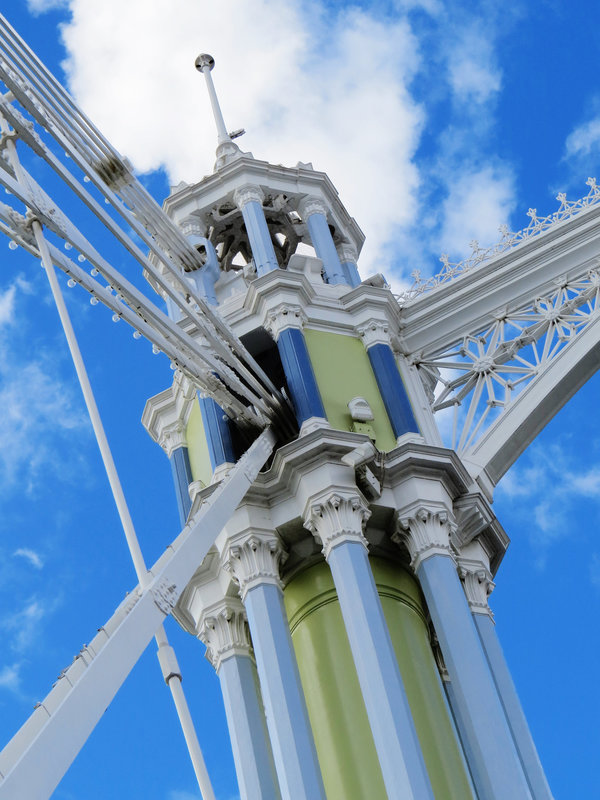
x=254, y=563
x=493, y=760
x=336, y=520
x=478, y=585
x=224, y=630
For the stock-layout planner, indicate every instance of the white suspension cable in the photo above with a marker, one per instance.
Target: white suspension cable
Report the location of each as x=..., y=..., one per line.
x=166, y=654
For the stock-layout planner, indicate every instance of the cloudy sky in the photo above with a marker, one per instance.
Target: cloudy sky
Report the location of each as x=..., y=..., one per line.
x=437, y=122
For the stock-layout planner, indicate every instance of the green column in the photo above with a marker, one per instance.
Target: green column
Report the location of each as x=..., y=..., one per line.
x=338, y=717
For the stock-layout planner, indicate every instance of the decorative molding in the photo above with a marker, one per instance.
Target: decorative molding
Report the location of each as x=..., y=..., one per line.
x=223, y=628
x=477, y=583
x=374, y=331
x=311, y=205
x=248, y=193
x=347, y=253
x=254, y=560
x=425, y=530
x=283, y=316
x=336, y=518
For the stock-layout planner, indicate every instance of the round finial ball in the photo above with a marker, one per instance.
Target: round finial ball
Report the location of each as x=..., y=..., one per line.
x=204, y=60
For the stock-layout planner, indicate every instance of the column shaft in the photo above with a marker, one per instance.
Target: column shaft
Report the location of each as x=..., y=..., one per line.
x=517, y=722
x=182, y=477
x=287, y=718
x=495, y=765
x=396, y=742
x=322, y=240
x=299, y=374
x=218, y=435
x=252, y=754
x=261, y=245
x=392, y=389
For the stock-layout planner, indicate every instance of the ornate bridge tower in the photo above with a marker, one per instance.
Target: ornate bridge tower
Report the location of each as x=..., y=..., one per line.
x=344, y=605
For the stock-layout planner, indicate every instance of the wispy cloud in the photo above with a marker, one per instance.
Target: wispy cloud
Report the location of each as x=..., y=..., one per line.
x=31, y=556
x=544, y=489
x=10, y=678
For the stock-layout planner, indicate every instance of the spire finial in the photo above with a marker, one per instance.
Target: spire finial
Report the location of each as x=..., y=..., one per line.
x=226, y=149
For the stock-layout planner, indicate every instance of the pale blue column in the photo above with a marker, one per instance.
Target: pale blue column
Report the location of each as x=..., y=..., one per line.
x=509, y=698
x=336, y=518
x=398, y=749
x=314, y=214
x=493, y=760
x=252, y=754
x=287, y=717
x=348, y=257
x=250, y=199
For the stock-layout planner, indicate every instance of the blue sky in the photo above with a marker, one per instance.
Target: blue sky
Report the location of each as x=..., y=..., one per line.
x=437, y=122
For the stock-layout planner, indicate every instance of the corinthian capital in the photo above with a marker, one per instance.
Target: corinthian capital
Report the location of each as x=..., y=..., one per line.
x=282, y=317
x=249, y=193
x=224, y=630
x=172, y=436
x=311, y=205
x=375, y=331
x=337, y=517
x=477, y=583
x=254, y=560
x=425, y=530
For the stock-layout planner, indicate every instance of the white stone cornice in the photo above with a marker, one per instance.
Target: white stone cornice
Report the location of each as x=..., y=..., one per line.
x=478, y=584
x=283, y=316
x=248, y=193
x=311, y=205
x=224, y=630
x=374, y=331
x=347, y=253
x=254, y=560
x=335, y=517
x=425, y=529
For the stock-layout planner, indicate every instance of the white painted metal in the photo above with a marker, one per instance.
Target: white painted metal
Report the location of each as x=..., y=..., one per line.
x=35, y=760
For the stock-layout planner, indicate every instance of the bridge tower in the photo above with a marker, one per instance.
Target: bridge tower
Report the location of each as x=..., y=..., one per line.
x=344, y=605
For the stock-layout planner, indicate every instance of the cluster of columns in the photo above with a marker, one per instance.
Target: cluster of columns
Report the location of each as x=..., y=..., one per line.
x=339, y=261
x=249, y=643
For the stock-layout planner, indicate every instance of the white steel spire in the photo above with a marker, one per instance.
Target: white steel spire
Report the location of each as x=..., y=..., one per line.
x=226, y=148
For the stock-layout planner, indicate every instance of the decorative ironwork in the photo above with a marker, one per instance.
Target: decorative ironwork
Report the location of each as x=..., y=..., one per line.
x=509, y=240
x=482, y=374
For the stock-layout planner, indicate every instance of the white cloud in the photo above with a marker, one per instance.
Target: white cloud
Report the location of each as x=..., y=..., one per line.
x=7, y=305
x=595, y=570
x=478, y=202
x=40, y=6
x=10, y=678
x=584, y=139
x=22, y=626
x=474, y=75
x=31, y=556
x=327, y=87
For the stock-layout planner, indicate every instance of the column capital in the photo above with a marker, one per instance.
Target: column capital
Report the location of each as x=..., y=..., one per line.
x=285, y=315
x=338, y=516
x=425, y=529
x=172, y=436
x=223, y=628
x=248, y=193
x=254, y=560
x=311, y=205
x=374, y=331
x=347, y=252
x=477, y=583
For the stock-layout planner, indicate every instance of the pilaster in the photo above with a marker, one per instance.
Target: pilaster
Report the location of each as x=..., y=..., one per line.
x=477, y=583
